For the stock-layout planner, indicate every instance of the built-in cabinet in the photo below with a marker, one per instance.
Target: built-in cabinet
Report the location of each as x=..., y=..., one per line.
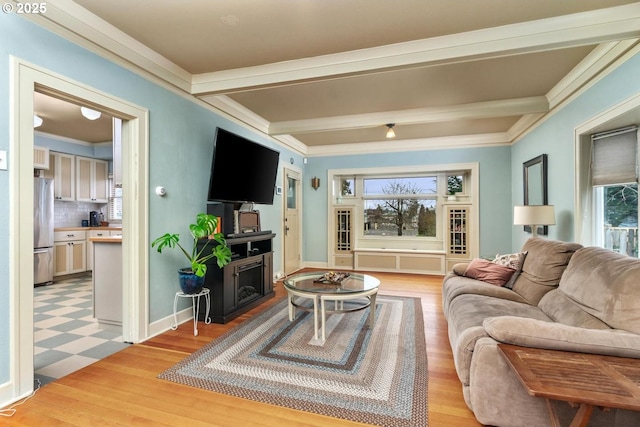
x=69, y=252
x=458, y=235
x=92, y=183
x=62, y=171
x=343, y=253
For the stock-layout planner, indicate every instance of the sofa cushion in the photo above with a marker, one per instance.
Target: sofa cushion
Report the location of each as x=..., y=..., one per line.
x=605, y=285
x=555, y=336
x=545, y=262
x=562, y=309
x=514, y=261
x=454, y=286
x=488, y=271
x=466, y=316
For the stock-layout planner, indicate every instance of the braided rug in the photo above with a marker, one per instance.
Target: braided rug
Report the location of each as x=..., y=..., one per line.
x=375, y=376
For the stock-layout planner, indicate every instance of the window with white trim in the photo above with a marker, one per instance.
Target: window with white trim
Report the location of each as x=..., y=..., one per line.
x=400, y=206
x=115, y=201
x=614, y=180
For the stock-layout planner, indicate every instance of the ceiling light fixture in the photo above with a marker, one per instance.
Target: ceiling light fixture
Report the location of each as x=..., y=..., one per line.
x=90, y=114
x=390, y=132
x=37, y=121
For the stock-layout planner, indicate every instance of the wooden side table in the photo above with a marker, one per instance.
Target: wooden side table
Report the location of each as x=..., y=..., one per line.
x=585, y=379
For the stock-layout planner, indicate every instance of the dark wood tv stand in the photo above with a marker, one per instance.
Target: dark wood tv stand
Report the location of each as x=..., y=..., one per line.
x=244, y=283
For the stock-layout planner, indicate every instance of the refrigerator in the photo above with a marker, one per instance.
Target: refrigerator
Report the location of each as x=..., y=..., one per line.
x=43, y=231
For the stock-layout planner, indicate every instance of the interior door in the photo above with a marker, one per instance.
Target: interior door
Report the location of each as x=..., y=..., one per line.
x=292, y=219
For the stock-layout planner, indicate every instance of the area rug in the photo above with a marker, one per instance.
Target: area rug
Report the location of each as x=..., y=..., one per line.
x=370, y=375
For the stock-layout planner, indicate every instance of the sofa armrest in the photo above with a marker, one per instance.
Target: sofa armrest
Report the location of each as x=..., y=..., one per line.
x=459, y=268
x=557, y=336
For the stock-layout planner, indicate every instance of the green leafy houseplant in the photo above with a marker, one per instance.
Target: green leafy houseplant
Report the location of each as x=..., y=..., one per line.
x=204, y=227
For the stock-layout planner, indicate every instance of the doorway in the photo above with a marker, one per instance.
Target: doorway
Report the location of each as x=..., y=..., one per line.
x=26, y=80
x=292, y=219
x=80, y=143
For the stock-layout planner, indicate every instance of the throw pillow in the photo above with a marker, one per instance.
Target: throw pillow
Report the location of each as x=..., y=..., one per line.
x=488, y=271
x=514, y=261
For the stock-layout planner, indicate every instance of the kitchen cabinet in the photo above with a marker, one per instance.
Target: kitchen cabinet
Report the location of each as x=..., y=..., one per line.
x=98, y=233
x=92, y=180
x=107, y=279
x=69, y=252
x=62, y=171
x=40, y=157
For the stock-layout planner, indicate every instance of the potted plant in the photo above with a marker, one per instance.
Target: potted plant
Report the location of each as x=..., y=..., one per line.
x=203, y=232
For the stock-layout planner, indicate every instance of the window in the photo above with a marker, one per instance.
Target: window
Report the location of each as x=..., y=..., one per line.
x=400, y=206
x=615, y=190
x=115, y=201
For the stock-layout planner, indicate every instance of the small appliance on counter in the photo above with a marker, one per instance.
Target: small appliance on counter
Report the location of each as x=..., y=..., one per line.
x=94, y=219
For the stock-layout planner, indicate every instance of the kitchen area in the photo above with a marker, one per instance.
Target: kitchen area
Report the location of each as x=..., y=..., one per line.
x=77, y=237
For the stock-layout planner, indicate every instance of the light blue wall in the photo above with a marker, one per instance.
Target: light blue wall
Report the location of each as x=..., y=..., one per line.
x=555, y=137
x=181, y=144
x=495, y=191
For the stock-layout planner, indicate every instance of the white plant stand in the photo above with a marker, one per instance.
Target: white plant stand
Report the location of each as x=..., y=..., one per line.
x=195, y=308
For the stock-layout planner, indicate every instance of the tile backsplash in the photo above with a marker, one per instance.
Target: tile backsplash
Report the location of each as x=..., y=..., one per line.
x=71, y=214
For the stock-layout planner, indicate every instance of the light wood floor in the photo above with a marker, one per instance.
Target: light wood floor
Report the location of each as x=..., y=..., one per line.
x=122, y=390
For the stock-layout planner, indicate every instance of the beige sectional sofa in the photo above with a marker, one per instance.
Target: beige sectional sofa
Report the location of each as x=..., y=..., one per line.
x=566, y=297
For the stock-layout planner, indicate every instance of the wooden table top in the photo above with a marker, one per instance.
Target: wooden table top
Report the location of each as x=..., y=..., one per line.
x=612, y=382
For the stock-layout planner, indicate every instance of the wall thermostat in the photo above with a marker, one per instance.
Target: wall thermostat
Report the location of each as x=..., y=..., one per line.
x=161, y=191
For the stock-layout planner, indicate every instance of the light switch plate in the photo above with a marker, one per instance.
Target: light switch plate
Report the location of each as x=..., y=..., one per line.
x=3, y=160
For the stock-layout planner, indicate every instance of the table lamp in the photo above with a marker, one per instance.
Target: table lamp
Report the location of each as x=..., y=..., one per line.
x=534, y=215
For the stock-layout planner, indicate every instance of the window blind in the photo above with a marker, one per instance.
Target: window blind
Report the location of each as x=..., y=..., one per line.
x=614, y=157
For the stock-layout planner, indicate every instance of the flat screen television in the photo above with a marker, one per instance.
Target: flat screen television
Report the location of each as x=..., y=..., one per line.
x=242, y=171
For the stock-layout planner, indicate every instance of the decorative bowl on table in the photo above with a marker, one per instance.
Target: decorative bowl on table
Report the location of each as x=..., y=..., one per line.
x=332, y=277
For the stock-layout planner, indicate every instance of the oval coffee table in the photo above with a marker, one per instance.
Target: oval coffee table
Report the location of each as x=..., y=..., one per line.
x=310, y=285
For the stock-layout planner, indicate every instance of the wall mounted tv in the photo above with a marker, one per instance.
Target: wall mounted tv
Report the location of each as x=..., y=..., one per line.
x=242, y=171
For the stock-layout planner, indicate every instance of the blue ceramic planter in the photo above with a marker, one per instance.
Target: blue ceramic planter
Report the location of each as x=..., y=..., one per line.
x=189, y=282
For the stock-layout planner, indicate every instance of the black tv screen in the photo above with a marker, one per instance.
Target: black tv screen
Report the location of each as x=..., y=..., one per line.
x=242, y=171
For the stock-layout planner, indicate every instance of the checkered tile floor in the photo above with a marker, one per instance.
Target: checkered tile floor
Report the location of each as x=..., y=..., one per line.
x=66, y=335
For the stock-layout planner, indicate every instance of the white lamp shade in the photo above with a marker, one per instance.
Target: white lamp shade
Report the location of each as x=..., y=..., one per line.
x=37, y=121
x=534, y=215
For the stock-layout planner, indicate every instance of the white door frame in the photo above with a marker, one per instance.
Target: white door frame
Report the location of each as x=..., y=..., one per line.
x=297, y=173
x=25, y=78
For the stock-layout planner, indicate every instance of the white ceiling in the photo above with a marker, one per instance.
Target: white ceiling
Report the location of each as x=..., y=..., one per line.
x=326, y=76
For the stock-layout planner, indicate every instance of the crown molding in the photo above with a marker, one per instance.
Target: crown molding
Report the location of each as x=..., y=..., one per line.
x=502, y=108
x=599, y=59
x=525, y=130
x=592, y=27
x=439, y=143
x=75, y=23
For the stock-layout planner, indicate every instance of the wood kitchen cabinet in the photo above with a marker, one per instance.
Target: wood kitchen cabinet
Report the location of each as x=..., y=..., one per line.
x=62, y=171
x=41, y=158
x=69, y=252
x=92, y=180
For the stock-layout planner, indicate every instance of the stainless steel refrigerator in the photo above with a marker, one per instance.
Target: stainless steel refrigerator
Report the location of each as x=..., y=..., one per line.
x=43, y=231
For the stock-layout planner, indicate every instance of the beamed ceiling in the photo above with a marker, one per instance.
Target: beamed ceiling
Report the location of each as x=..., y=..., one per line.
x=327, y=76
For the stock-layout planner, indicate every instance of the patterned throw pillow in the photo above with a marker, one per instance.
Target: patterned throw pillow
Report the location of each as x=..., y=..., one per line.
x=514, y=261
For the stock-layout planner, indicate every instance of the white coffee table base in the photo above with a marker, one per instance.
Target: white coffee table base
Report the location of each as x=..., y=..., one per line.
x=292, y=307
x=370, y=294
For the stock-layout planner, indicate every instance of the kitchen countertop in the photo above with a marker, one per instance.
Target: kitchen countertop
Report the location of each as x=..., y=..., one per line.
x=85, y=228
x=106, y=239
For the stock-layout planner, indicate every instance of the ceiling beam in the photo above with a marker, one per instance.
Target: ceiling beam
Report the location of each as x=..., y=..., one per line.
x=477, y=110
x=578, y=29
